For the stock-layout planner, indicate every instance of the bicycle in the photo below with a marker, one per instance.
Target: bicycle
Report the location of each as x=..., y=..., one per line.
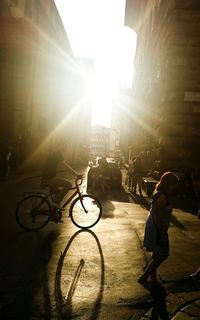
x=35, y=209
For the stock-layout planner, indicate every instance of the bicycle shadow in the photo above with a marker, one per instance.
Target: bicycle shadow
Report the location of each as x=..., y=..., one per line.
x=64, y=307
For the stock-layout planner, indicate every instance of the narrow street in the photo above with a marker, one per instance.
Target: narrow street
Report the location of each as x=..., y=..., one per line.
x=62, y=272
x=106, y=84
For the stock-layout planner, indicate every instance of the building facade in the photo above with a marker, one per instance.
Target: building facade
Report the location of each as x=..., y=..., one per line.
x=43, y=88
x=99, y=141
x=167, y=78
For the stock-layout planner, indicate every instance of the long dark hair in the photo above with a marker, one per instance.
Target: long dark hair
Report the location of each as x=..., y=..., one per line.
x=167, y=180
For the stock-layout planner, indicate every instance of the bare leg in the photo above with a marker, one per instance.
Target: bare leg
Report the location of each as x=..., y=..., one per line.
x=129, y=182
x=196, y=274
x=153, y=276
x=151, y=269
x=140, y=184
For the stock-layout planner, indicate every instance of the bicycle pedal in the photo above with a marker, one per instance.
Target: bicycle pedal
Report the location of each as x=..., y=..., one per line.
x=58, y=221
x=60, y=209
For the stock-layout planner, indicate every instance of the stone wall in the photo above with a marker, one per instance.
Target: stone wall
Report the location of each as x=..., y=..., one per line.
x=167, y=75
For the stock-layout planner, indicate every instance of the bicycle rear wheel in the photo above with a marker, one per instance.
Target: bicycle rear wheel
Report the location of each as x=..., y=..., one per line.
x=85, y=211
x=33, y=212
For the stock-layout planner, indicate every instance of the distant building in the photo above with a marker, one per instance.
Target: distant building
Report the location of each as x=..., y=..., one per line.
x=99, y=140
x=115, y=131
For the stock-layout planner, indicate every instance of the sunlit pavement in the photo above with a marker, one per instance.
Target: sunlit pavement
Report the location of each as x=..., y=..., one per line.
x=62, y=272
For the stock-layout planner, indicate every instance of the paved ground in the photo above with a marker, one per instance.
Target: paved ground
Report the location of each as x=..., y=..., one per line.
x=72, y=274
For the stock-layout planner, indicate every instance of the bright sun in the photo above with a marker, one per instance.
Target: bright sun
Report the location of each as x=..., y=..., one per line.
x=96, y=30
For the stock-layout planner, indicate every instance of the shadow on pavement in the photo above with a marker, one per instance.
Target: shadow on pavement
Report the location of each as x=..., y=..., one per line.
x=177, y=223
x=143, y=201
x=155, y=300
x=180, y=285
x=65, y=306
x=190, y=205
x=23, y=285
x=108, y=209
x=117, y=195
x=114, y=195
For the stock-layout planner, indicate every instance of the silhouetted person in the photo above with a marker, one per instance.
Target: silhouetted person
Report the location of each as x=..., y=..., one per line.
x=130, y=174
x=103, y=175
x=137, y=175
x=156, y=230
x=59, y=185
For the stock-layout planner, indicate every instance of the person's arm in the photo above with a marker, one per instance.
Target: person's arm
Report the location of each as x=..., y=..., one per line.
x=159, y=216
x=67, y=166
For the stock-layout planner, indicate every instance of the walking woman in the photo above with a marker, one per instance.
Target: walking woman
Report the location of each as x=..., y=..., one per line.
x=156, y=237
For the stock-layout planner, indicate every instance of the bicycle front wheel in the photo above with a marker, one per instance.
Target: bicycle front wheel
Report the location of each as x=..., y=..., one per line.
x=85, y=211
x=33, y=212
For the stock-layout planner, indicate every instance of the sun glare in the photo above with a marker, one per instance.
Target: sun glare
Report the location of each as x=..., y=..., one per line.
x=95, y=29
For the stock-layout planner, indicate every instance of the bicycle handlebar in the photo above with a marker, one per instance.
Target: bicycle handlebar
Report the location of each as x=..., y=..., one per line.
x=77, y=179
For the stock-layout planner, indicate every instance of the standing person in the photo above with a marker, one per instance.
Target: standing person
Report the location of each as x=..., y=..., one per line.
x=59, y=185
x=156, y=230
x=130, y=174
x=137, y=175
x=103, y=175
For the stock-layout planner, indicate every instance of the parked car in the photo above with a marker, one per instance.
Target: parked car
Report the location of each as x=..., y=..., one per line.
x=114, y=174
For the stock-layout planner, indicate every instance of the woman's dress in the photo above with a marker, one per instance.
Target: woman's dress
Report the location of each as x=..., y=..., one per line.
x=151, y=241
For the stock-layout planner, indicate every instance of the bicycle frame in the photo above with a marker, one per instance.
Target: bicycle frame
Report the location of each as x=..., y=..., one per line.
x=34, y=205
x=77, y=191
x=49, y=194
